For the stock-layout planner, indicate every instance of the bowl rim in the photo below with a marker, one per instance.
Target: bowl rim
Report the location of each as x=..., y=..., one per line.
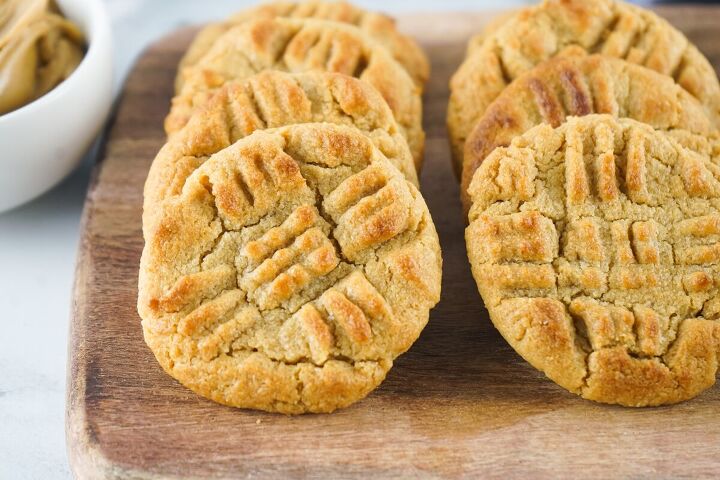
x=96, y=29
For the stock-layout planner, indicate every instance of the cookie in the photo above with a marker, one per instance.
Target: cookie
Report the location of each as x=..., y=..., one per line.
x=273, y=99
x=608, y=27
x=380, y=27
x=297, y=46
x=291, y=271
x=596, y=249
x=576, y=85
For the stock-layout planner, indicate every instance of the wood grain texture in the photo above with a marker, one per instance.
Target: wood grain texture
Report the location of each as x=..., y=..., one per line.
x=460, y=403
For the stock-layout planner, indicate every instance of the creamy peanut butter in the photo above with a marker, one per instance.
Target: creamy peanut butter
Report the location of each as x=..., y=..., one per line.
x=39, y=48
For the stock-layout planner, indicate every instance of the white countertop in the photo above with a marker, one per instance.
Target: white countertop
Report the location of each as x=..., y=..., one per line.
x=38, y=244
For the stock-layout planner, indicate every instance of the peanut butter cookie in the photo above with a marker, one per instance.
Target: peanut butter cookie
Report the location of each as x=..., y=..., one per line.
x=609, y=27
x=290, y=272
x=576, y=85
x=596, y=249
x=380, y=27
x=297, y=46
x=274, y=99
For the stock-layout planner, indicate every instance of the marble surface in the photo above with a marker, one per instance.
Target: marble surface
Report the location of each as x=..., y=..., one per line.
x=38, y=244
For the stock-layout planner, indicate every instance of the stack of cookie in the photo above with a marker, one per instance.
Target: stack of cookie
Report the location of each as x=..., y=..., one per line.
x=289, y=255
x=585, y=135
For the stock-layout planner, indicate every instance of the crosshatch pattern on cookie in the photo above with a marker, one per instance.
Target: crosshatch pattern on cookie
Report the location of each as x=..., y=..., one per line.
x=595, y=247
x=274, y=99
x=293, y=45
x=577, y=84
x=301, y=252
x=380, y=27
x=608, y=27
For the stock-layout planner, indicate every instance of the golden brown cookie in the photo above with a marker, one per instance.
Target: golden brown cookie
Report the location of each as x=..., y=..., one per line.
x=273, y=99
x=298, y=46
x=291, y=271
x=576, y=85
x=536, y=34
x=380, y=27
x=596, y=248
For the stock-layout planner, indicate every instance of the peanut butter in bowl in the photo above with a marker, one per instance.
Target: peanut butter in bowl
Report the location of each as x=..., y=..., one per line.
x=39, y=48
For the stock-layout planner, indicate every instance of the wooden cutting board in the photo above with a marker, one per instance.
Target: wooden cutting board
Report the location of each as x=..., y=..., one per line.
x=460, y=403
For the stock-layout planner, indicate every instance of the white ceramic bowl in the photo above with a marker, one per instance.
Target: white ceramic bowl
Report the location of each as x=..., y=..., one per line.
x=42, y=142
